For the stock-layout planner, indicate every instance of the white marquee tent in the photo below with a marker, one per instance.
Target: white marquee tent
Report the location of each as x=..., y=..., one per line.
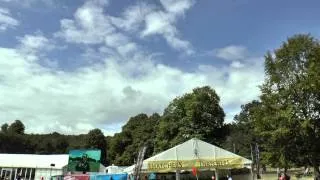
x=28, y=164
x=193, y=153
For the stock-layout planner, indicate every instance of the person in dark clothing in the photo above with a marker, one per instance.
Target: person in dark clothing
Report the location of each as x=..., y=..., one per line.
x=83, y=165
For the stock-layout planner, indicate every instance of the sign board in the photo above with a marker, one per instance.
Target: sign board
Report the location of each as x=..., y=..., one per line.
x=84, y=160
x=170, y=165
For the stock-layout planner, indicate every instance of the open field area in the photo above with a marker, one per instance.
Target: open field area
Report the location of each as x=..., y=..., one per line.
x=268, y=177
x=272, y=175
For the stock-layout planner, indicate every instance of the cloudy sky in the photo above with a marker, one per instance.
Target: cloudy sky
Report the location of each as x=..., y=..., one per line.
x=70, y=66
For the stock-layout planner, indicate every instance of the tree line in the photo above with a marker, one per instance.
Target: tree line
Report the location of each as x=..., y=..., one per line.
x=284, y=121
x=195, y=114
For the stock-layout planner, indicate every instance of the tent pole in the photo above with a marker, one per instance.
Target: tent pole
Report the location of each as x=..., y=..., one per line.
x=177, y=174
x=11, y=173
x=15, y=173
x=30, y=173
x=216, y=174
x=25, y=173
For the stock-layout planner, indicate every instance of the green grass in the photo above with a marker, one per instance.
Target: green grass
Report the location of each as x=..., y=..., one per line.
x=271, y=176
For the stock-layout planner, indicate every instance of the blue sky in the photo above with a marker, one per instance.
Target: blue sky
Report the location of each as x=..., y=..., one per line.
x=70, y=66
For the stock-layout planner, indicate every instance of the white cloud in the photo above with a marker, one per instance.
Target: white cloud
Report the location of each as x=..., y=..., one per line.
x=163, y=23
x=116, y=39
x=179, y=44
x=177, y=6
x=231, y=53
x=158, y=23
x=105, y=95
x=35, y=43
x=90, y=25
x=127, y=49
x=149, y=20
x=133, y=17
x=6, y=21
x=237, y=64
x=30, y=3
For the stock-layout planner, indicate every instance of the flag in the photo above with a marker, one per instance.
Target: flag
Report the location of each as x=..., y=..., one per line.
x=194, y=171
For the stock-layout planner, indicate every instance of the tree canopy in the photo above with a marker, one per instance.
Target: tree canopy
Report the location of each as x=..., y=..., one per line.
x=17, y=127
x=241, y=136
x=291, y=101
x=139, y=131
x=197, y=114
x=96, y=140
x=286, y=121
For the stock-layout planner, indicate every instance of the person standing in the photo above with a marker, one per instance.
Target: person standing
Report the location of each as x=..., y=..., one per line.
x=229, y=177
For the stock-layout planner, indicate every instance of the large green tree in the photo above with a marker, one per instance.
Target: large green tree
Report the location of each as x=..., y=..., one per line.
x=139, y=131
x=4, y=128
x=96, y=139
x=17, y=127
x=289, y=120
x=241, y=132
x=197, y=114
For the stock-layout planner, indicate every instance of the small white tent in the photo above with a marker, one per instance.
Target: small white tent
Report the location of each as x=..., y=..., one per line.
x=193, y=153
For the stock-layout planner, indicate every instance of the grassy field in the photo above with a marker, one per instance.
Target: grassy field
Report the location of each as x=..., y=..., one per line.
x=270, y=176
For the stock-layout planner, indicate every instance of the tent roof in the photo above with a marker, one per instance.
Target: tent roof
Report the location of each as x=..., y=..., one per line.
x=33, y=160
x=193, y=149
x=188, y=150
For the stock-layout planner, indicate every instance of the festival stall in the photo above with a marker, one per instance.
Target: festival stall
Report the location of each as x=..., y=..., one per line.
x=191, y=155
